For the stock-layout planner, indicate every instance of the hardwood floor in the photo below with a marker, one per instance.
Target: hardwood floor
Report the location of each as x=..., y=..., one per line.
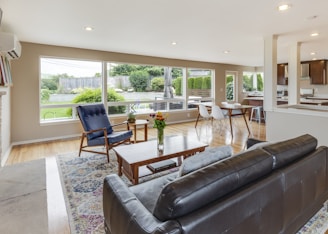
x=214, y=136
x=205, y=132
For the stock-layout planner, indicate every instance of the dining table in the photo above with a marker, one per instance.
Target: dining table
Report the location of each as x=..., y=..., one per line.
x=230, y=110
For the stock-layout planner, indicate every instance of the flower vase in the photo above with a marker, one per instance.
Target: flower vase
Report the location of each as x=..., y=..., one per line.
x=160, y=139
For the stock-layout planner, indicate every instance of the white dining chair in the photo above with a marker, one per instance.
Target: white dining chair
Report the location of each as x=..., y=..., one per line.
x=203, y=111
x=218, y=115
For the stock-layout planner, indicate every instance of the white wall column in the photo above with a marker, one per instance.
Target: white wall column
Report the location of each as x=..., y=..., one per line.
x=270, y=72
x=294, y=72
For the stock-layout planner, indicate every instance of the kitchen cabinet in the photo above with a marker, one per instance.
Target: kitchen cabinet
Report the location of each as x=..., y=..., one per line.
x=318, y=72
x=282, y=73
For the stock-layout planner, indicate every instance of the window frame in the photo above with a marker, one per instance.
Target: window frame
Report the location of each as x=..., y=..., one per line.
x=129, y=104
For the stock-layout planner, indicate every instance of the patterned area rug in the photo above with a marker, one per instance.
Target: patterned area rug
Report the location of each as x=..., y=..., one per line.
x=82, y=181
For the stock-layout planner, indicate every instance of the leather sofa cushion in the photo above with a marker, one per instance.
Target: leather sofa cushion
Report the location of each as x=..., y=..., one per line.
x=200, y=160
x=148, y=192
x=199, y=188
x=285, y=152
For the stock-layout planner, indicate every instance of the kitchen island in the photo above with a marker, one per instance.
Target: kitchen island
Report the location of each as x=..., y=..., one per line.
x=287, y=121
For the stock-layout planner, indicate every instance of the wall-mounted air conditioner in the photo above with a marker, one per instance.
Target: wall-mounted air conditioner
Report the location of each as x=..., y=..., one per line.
x=10, y=45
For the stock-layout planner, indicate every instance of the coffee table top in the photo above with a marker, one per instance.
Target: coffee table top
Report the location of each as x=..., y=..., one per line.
x=147, y=152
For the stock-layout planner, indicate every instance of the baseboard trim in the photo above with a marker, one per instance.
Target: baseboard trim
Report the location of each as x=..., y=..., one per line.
x=46, y=139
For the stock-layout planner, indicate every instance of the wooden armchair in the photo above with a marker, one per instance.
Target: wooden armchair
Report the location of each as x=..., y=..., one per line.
x=98, y=131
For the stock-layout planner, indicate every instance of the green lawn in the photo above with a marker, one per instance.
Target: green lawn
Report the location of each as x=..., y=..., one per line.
x=52, y=113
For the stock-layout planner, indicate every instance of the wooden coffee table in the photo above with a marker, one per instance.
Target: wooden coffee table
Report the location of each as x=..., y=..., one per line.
x=131, y=157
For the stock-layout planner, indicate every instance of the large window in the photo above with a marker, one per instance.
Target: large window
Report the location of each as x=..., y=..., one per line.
x=145, y=88
x=64, y=82
x=137, y=88
x=199, y=85
x=252, y=82
x=231, y=84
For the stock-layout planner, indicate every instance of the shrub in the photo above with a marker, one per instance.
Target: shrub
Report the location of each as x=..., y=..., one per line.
x=198, y=82
x=157, y=84
x=191, y=82
x=45, y=95
x=94, y=95
x=139, y=80
x=88, y=96
x=206, y=83
x=177, y=84
x=112, y=96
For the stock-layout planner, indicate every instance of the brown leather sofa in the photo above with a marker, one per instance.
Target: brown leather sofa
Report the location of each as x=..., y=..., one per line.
x=276, y=188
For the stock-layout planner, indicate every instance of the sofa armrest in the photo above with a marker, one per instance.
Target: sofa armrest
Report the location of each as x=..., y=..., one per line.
x=124, y=213
x=252, y=141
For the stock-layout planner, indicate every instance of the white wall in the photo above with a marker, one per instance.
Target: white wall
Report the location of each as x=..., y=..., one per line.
x=25, y=125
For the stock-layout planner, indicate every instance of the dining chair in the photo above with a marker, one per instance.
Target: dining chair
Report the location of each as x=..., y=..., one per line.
x=203, y=111
x=218, y=115
x=98, y=130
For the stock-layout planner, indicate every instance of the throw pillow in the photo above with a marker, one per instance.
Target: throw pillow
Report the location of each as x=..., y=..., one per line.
x=209, y=156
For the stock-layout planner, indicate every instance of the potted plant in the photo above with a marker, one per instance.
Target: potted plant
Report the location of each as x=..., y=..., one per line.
x=131, y=117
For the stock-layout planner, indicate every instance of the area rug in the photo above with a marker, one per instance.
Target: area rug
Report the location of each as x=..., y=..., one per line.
x=82, y=181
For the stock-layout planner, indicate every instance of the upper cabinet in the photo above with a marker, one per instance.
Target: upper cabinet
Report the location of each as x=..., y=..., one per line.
x=318, y=72
x=282, y=72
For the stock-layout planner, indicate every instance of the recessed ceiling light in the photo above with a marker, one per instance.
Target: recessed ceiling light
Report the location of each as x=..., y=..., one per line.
x=226, y=51
x=173, y=43
x=314, y=59
x=88, y=28
x=313, y=53
x=284, y=7
x=314, y=34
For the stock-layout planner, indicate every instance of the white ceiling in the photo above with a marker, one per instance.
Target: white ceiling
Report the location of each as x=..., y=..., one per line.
x=203, y=29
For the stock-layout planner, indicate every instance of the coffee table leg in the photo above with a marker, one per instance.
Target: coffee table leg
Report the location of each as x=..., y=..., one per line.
x=135, y=171
x=135, y=133
x=146, y=132
x=119, y=160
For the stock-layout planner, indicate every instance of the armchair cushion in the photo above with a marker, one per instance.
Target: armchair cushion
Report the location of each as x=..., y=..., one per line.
x=114, y=137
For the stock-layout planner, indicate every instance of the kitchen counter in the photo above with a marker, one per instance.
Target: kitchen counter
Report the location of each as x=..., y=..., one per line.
x=309, y=101
x=318, y=98
x=284, y=100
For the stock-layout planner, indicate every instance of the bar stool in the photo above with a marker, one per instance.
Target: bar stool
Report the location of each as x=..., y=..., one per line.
x=257, y=114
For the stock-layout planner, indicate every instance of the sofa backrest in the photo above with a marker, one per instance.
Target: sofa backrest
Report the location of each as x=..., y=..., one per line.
x=285, y=152
x=206, y=185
